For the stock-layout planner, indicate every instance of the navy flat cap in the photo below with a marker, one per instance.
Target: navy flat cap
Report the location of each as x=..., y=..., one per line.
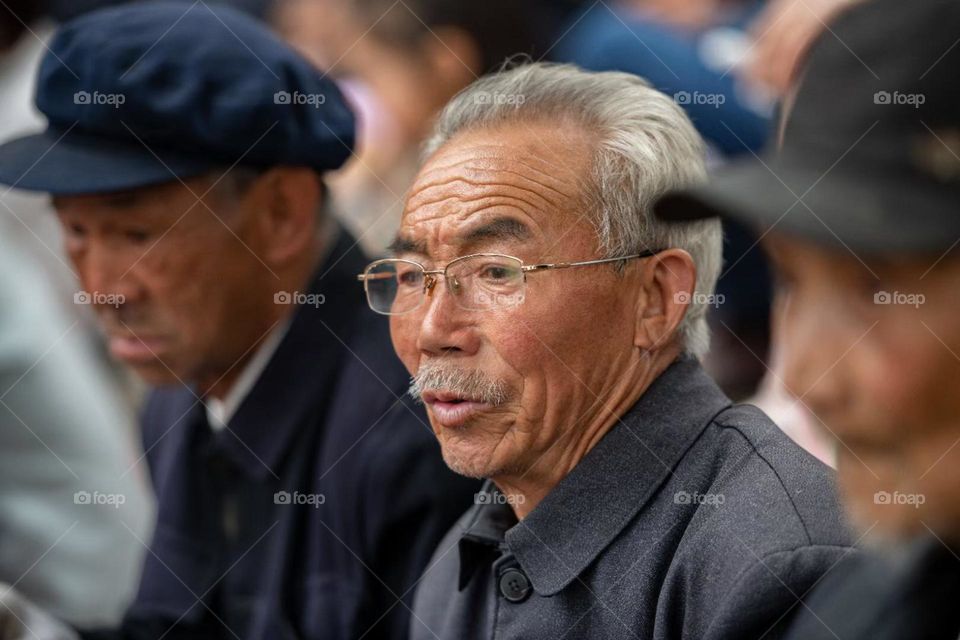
x=148, y=93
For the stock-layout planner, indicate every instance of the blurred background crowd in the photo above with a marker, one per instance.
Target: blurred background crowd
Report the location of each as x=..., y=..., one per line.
x=729, y=63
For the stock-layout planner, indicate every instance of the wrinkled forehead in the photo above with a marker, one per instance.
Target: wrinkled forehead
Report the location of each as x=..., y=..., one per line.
x=489, y=187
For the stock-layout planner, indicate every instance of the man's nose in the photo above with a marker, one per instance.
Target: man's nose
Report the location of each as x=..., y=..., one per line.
x=444, y=325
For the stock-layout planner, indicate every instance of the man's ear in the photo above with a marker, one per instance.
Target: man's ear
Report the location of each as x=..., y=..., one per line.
x=667, y=282
x=286, y=202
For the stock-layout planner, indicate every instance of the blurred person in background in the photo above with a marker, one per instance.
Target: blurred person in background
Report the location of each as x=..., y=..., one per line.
x=859, y=215
x=66, y=10
x=72, y=499
x=66, y=432
x=554, y=330
x=25, y=31
x=323, y=31
x=400, y=63
x=726, y=62
x=780, y=38
x=299, y=494
x=689, y=49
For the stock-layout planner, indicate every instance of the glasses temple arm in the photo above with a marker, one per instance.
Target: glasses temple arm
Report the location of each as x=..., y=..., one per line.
x=564, y=265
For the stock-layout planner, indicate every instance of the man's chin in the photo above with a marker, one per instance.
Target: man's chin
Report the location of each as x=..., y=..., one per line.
x=470, y=454
x=885, y=533
x=467, y=465
x=154, y=373
x=892, y=495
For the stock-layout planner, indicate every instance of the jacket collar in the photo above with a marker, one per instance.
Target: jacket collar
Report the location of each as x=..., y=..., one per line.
x=583, y=514
x=484, y=531
x=298, y=379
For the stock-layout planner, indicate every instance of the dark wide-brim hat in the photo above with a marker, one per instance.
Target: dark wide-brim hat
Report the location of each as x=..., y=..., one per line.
x=871, y=151
x=149, y=93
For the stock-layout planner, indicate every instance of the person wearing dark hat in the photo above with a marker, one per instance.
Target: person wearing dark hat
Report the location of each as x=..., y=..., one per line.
x=859, y=214
x=299, y=493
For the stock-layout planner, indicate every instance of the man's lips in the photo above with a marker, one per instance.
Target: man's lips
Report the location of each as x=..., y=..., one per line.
x=136, y=348
x=452, y=410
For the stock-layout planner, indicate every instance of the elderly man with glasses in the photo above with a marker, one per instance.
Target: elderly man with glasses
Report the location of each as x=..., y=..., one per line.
x=553, y=329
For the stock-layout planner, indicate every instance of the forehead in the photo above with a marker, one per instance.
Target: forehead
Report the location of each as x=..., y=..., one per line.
x=839, y=266
x=519, y=179
x=789, y=251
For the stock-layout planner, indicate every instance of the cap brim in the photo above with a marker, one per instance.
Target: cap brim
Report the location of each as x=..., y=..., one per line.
x=841, y=207
x=74, y=163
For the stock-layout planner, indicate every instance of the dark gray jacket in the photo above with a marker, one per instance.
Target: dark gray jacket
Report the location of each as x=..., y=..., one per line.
x=911, y=594
x=692, y=518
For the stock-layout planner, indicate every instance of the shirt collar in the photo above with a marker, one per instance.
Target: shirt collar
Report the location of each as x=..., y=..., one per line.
x=484, y=532
x=607, y=489
x=221, y=410
x=298, y=379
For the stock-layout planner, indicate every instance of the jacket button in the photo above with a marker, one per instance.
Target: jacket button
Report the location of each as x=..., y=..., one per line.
x=514, y=585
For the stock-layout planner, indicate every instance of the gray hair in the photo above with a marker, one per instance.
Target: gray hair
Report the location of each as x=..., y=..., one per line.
x=645, y=146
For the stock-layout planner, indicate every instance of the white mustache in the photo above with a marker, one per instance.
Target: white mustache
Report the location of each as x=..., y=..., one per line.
x=469, y=383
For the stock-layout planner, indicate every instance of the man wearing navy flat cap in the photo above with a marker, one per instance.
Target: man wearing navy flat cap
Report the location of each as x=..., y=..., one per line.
x=859, y=214
x=300, y=495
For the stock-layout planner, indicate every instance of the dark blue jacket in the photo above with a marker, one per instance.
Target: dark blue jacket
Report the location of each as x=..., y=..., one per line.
x=315, y=513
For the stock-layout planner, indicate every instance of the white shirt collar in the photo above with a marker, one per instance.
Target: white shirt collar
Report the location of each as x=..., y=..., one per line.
x=221, y=410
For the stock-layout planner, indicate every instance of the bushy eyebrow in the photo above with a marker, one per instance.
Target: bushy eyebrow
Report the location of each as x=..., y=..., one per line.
x=498, y=229
x=402, y=244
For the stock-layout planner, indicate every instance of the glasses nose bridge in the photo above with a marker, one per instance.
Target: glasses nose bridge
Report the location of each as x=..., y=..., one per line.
x=430, y=278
